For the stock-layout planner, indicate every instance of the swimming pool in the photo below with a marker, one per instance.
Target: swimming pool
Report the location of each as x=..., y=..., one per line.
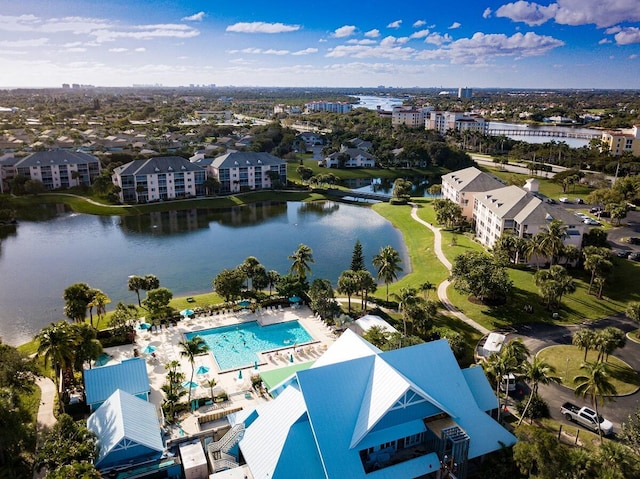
x=235, y=346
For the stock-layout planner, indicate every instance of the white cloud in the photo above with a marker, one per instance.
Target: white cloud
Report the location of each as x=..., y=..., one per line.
x=146, y=32
x=306, y=51
x=12, y=52
x=118, y=50
x=487, y=13
x=34, y=42
x=602, y=13
x=362, y=41
x=604, y=41
x=420, y=34
x=372, y=33
x=272, y=51
x=390, y=48
x=628, y=36
x=436, y=38
x=419, y=23
x=633, y=56
x=75, y=50
x=262, y=27
x=612, y=30
x=140, y=49
x=530, y=13
x=481, y=47
x=455, y=25
x=196, y=17
x=72, y=44
x=344, y=31
x=395, y=24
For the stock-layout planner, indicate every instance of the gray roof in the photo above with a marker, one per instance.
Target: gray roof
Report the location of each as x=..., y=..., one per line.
x=472, y=179
x=56, y=157
x=506, y=202
x=540, y=213
x=236, y=159
x=158, y=164
x=353, y=153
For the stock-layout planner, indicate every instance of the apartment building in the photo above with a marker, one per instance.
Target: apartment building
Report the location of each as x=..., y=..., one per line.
x=443, y=121
x=622, y=141
x=409, y=116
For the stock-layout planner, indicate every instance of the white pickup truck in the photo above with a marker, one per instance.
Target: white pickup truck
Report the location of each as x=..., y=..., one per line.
x=586, y=417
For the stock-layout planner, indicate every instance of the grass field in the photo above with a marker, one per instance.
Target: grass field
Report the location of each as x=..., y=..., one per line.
x=568, y=359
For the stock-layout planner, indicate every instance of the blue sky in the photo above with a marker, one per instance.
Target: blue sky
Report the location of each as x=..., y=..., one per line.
x=474, y=43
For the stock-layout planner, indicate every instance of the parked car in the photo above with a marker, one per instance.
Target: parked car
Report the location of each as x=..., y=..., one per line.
x=586, y=417
x=551, y=201
x=623, y=254
x=591, y=222
x=594, y=210
x=579, y=201
x=634, y=256
x=564, y=199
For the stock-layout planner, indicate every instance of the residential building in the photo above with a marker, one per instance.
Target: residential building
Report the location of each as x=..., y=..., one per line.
x=360, y=412
x=7, y=171
x=619, y=142
x=127, y=429
x=361, y=144
x=443, y=121
x=59, y=168
x=329, y=106
x=305, y=141
x=217, y=115
x=409, y=116
x=350, y=158
x=511, y=208
x=159, y=178
x=130, y=376
x=247, y=170
x=465, y=92
x=462, y=185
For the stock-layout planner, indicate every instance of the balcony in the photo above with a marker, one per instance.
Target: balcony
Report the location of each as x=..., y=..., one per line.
x=391, y=457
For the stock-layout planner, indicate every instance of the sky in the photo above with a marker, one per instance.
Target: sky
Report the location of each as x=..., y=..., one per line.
x=330, y=43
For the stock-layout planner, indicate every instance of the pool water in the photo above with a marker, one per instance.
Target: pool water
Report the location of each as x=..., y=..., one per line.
x=236, y=346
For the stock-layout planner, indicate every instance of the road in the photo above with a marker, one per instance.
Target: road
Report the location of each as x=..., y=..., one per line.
x=539, y=336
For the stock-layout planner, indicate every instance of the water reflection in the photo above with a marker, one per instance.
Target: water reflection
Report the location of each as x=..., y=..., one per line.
x=384, y=186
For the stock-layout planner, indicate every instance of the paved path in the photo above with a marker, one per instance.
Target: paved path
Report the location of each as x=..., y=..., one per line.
x=46, y=419
x=442, y=287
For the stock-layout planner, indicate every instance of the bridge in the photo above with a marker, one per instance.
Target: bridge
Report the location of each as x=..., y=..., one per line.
x=549, y=133
x=358, y=194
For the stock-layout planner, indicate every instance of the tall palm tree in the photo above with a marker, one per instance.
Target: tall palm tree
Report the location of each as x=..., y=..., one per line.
x=190, y=349
x=135, y=284
x=272, y=279
x=406, y=298
x=584, y=338
x=388, y=263
x=537, y=372
x=300, y=261
x=57, y=345
x=99, y=300
x=551, y=239
x=426, y=287
x=595, y=383
x=349, y=284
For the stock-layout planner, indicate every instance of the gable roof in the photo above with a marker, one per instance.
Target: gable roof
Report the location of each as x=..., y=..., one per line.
x=56, y=157
x=237, y=159
x=371, y=398
x=126, y=427
x=507, y=201
x=471, y=179
x=129, y=375
x=156, y=165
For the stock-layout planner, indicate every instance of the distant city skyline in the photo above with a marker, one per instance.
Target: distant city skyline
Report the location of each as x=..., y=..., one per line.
x=469, y=43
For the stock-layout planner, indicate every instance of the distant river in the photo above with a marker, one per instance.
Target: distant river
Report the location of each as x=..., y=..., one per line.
x=185, y=249
x=385, y=103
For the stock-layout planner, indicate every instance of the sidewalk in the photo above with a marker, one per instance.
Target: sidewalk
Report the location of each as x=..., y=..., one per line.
x=46, y=419
x=442, y=287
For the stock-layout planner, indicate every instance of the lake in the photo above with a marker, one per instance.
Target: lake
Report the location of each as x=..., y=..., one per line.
x=186, y=249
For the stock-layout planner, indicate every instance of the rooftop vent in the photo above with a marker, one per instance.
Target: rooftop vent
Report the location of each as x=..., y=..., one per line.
x=170, y=168
x=183, y=167
x=157, y=170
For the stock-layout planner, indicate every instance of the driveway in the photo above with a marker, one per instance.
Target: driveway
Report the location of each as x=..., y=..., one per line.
x=539, y=336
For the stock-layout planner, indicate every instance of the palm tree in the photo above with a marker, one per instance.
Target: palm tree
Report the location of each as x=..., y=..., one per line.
x=348, y=283
x=633, y=311
x=100, y=301
x=367, y=285
x=388, y=263
x=211, y=383
x=300, y=261
x=537, y=372
x=551, y=239
x=584, y=338
x=425, y=288
x=190, y=349
x=136, y=283
x=57, y=345
x=595, y=383
x=406, y=298
x=534, y=248
x=272, y=279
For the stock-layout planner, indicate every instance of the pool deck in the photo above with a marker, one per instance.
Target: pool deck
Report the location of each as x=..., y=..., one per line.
x=238, y=388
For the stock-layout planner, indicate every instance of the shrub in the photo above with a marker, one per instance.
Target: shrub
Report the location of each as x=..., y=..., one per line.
x=538, y=408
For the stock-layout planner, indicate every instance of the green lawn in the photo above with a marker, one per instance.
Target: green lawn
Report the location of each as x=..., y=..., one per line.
x=568, y=359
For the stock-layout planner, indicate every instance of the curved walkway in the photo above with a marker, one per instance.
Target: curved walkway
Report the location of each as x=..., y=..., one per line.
x=442, y=287
x=46, y=419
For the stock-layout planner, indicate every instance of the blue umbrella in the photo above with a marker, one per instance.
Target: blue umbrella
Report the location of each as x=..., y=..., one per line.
x=189, y=385
x=240, y=374
x=144, y=326
x=149, y=348
x=244, y=303
x=186, y=312
x=202, y=370
x=295, y=299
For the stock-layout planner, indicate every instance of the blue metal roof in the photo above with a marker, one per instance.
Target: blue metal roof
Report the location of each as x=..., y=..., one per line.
x=480, y=388
x=127, y=429
x=129, y=375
